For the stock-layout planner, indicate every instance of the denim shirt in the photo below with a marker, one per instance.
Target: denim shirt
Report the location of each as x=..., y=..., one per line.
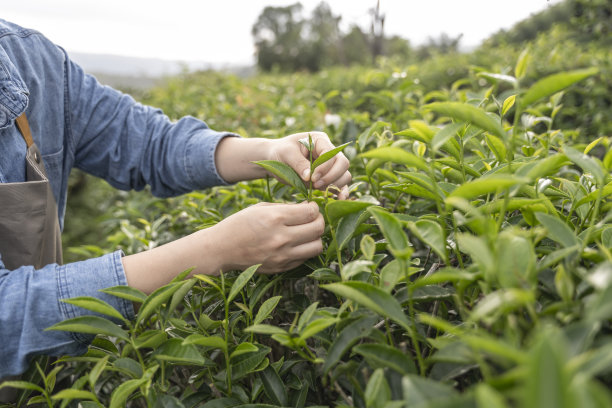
x=77, y=122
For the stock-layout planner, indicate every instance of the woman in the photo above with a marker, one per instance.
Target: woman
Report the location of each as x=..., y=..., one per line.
x=54, y=117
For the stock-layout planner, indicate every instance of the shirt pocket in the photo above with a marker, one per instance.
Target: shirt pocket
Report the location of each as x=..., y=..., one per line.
x=54, y=164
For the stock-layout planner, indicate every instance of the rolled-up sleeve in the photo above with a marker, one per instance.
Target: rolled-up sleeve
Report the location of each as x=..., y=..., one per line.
x=131, y=145
x=30, y=301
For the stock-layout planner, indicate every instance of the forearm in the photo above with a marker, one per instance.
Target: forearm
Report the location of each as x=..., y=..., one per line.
x=234, y=157
x=152, y=269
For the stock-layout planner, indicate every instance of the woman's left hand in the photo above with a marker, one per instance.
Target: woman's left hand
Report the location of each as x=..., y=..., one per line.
x=334, y=172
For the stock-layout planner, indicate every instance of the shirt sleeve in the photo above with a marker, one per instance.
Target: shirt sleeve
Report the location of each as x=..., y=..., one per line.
x=130, y=145
x=30, y=301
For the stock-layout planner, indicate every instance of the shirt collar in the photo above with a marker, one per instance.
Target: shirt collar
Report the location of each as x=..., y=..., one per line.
x=13, y=91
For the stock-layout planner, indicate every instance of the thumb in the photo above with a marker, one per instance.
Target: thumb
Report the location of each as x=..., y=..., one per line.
x=297, y=159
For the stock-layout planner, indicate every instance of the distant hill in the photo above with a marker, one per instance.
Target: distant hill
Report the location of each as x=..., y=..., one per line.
x=132, y=72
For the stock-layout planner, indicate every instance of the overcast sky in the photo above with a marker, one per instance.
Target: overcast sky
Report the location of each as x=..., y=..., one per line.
x=220, y=31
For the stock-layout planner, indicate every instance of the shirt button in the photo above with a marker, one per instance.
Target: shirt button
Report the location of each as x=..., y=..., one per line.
x=37, y=157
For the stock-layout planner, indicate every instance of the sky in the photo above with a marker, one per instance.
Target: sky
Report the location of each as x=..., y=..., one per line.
x=219, y=32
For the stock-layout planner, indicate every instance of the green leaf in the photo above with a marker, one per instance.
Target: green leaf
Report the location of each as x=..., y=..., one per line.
x=607, y=160
x=337, y=209
x=317, y=326
x=367, y=247
x=547, y=379
x=274, y=386
x=346, y=338
x=91, y=325
x=126, y=292
x=478, y=249
x=95, y=305
x=373, y=298
x=516, y=260
x=179, y=296
x=70, y=394
x=496, y=78
x=591, y=145
x=419, y=391
x=432, y=234
x=266, y=308
x=122, y=392
x=487, y=185
x=205, y=341
x=22, y=385
x=588, y=164
x=470, y=114
x=444, y=134
x=248, y=363
x=392, y=229
x=128, y=366
x=508, y=104
x=95, y=372
x=396, y=155
x=554, y=83
x=285, y=173
x=497, y=147
x=547, y=166
x=328, y=155
x=240, y=281
x=383, y=356
x=155, y=300
x=558, y=231
x=264, y=329
x=377, y=392
x=174, y=351
x=348, y=225
x=488, y=397
x=243, y=348
x=306, y=315
x=521, y=64
x=150, y=339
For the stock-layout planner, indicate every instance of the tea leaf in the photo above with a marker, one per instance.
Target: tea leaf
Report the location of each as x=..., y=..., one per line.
x=22, y=385
x=70, y=394
x=240, y=281
x=265, y=329
x=508, y=104
x=487, y=185
x=205, y=341
x=372, y=298
x=266, y=308
x=95, y=372
x=592, y=145
x=377, y=392
x=273, y=386
x=419, y=391
x=367, y=247
x=396, y=155
x=521, y=64
x=316, y=326
x=392, y=230
x=470, y=114
x=497, y=147
x=248, y=363
x=554, y=83
x=383, y=356
x=346, y=338
x=558, y=231
x=444, y=134
x=175, y=351
x=285, y=173
x=348, y=225
x=123, y=391
x=243, y=348
x=588, y=164
x=126, y=292
x=337, y=209
x=431, y=233
x=91, y=325
x=155, y=300
x=95, y=305
x=328, y=155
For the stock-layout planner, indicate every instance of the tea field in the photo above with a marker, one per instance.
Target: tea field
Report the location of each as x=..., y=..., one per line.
x=471, y=266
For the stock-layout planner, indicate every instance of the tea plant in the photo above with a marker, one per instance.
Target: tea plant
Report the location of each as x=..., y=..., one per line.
x=472, y=267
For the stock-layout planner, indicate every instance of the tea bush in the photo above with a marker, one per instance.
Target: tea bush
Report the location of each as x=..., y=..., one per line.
x=472, y=266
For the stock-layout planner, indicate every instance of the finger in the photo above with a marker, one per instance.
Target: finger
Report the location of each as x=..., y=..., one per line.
x=342, y=181
x=301, y=234
x=339, y=170
x=344, y=193
x=298, y=214
x=306, y=251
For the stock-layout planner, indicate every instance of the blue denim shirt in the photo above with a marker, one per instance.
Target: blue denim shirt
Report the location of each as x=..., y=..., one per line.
x=77, y=122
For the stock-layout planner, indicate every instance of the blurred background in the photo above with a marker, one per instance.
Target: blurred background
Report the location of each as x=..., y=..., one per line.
x=144, y=40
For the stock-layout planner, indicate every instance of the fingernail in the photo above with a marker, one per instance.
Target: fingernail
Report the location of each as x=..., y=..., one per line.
x=306, y=174
x=318, y=184
x=315, y=177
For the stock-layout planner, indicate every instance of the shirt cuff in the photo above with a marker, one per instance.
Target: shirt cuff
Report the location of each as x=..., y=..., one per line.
x=199, y=156
x=86, y=278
